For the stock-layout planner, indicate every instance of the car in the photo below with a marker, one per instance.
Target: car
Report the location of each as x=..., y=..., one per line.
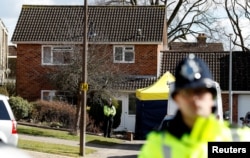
x=246, y=120
x=8, y=124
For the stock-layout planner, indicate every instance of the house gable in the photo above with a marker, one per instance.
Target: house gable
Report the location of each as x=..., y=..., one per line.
x=109, y=26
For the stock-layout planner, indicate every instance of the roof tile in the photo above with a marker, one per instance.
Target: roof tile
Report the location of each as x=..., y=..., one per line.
x=108, y=23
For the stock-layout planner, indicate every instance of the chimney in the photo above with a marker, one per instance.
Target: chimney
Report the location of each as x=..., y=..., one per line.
x=201, y=39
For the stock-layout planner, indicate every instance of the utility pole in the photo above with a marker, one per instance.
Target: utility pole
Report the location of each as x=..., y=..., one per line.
x=84, y=84
x=230, y=80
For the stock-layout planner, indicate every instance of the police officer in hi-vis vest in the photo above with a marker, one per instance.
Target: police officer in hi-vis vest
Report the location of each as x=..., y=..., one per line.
x=194, y=124
x=109, y=113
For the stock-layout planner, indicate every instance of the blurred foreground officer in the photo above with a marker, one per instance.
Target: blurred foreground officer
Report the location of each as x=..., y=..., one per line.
x=194, y=125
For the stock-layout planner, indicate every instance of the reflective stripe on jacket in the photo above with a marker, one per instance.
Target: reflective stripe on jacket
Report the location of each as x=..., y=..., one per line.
x=109, y=110
x=194, y=145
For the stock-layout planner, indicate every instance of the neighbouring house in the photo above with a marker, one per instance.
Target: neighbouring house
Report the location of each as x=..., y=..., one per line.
x=200, y=45
x=218, y=62
x=133, y=37
x=3, y=52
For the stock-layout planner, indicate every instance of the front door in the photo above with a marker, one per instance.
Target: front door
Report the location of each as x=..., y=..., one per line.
x=127, y=103
x=129, y=112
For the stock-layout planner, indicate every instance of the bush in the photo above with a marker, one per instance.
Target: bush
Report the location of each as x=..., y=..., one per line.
x=4, y=91
x=11, y=88
x=21, y=108
x=56, y=113
x=96, y=115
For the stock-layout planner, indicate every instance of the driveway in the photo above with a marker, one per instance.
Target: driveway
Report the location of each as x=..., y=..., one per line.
x=127, y=149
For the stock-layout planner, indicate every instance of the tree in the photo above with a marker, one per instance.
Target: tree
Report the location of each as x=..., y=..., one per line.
x=101, y=75
x=239, y=17
x=185, y=18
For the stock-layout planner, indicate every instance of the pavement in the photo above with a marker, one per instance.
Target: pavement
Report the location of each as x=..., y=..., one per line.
x=127, y=149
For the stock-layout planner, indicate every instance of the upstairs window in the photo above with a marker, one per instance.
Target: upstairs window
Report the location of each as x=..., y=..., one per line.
x=124, y=54
x=56, y=55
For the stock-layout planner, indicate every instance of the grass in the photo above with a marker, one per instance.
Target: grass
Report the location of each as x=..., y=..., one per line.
x=35, y=131
x=59, y=149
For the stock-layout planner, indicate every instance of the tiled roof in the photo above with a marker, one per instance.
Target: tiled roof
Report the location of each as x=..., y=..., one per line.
x=200, y=46
x=108, y=23
x=218, y=63
x=240, y=71
x=133, y=85
x=196, y=47
x=170, y=59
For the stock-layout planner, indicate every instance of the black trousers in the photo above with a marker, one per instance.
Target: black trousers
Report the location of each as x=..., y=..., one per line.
x=108, y=124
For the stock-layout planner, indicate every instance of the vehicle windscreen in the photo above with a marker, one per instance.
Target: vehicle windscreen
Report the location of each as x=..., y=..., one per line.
x=4, y=115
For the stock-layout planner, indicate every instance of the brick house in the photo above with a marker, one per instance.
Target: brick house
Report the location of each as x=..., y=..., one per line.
x=218, y=62
x=139, y=31
x=133, y=37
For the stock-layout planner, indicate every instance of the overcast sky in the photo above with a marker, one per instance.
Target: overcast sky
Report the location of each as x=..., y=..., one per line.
x=10, y=9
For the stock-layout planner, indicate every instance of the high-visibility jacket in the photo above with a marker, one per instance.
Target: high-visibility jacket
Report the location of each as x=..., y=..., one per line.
x=109, y=110
x=163, y=144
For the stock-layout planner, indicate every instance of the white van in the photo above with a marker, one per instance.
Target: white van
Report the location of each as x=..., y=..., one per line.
x=172, y=107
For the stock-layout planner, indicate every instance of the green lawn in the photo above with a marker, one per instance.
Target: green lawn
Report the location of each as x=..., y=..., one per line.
x=65, y=150
x=55, y=148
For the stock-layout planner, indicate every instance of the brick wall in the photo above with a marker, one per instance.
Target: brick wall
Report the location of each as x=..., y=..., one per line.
x=30, y=77
x=145, y=60
x=225, y=103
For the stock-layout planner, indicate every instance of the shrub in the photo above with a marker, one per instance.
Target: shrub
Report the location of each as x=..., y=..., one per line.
x=96, y=115
x=11, y=88
x=21, y=107
x=4, y=91
x=54, y=112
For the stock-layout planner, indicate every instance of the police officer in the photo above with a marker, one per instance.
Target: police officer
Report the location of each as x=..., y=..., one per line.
x=194, y=124
x=109, y=113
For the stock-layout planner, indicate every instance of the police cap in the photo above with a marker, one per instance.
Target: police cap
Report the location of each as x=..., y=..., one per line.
x=192, y=73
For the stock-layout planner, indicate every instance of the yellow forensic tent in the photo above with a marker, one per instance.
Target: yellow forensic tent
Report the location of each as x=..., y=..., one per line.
x=158, y=91
x=151, y=105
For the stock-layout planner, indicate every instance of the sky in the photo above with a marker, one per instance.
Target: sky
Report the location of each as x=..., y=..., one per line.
x=10, y=10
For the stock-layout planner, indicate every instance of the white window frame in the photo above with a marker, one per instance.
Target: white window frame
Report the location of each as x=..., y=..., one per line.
x=53, y=50
x=125, y=49
x=51, y=95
